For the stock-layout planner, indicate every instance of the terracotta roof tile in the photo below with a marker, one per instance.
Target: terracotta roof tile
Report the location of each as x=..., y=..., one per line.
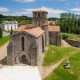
x=36, y=31
x=21, y=28
x=54, y=28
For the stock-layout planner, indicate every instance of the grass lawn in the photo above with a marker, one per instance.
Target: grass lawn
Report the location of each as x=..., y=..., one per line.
x=67, y=74
x=72, y=36
x=4, y=40
x=59, y=52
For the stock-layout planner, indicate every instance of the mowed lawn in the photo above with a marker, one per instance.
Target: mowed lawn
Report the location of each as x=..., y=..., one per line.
x=4, y=40
x=67, y=74
x=55, y=53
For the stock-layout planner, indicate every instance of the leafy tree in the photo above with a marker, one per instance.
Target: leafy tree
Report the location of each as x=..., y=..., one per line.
x=69, y=23
x=11, y=32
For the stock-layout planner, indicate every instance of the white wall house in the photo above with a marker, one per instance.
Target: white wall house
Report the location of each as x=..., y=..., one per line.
x=7, y=25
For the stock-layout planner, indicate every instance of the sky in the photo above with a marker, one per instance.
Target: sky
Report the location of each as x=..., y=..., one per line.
x=25, y=7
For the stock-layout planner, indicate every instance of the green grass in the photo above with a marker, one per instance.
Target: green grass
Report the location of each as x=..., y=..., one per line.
x=59, y=52
x=63, y=74
x=4, y=40
x=74, y=37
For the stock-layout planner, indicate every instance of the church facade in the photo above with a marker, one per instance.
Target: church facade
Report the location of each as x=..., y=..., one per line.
x=29, y=41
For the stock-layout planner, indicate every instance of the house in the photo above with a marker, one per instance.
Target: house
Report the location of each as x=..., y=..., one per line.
x=7, y=25
x=29, y=41
x=51, y=22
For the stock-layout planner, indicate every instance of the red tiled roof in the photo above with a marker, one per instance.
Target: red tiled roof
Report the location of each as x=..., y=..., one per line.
x=21, y=28
x=36, y=31
x=54, y=28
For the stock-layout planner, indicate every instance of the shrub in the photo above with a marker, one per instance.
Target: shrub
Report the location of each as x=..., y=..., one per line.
x=11, y=32
x=64, y=36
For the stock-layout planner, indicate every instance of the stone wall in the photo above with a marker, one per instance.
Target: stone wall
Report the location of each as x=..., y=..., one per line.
x=39, y=47
x=32, y=48
x=55, y=38
x=73, y=43
x=45, y=28
x=15, y=51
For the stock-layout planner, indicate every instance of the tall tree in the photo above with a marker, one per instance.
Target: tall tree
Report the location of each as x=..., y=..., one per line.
x=11, y=32
x=70, y=23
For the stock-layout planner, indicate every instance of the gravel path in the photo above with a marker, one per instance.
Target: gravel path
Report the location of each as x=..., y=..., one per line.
x=65, y=44
x=3, y=51
x=48, y=70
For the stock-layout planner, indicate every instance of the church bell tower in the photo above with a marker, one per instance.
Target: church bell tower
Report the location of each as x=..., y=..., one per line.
x=40, y=20
x=39, y=17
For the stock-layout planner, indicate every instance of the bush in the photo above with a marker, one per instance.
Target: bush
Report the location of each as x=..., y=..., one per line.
x=64, y=36
x=11, y=32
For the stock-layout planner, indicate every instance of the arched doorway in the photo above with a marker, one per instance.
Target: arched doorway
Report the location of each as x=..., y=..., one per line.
x=42, y=44
x=24, y=59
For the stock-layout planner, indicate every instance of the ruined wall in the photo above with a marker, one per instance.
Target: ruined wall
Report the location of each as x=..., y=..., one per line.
x=73, y=43
x=55, y=38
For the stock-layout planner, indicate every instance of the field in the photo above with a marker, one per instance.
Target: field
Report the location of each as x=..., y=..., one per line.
x=54, y=54
x=60, y=73
x=4, y=40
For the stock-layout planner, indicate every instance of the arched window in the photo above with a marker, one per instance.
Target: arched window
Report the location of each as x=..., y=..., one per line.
x=22, y=40
x=38, y=14
x=42, y=44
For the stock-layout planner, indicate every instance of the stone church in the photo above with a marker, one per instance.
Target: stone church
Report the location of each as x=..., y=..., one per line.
x=28, y=42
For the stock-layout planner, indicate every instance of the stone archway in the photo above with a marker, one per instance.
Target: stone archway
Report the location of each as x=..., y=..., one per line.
x=23, y=58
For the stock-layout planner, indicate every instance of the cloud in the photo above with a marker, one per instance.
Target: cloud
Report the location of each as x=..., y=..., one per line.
x=25, y=0
x=3, y=9
x=51, y=12
x=75, y=9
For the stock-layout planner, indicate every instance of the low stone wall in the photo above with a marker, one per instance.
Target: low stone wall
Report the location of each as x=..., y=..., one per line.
x=73, y=43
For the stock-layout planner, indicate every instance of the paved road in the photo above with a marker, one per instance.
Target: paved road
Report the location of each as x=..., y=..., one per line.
x=3, y=51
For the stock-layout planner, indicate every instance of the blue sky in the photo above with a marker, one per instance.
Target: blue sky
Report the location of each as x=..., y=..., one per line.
x=25, y=7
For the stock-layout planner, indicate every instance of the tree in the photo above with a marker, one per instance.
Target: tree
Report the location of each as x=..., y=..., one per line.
x=70, y=23
x=1, y=33
x=11, y=32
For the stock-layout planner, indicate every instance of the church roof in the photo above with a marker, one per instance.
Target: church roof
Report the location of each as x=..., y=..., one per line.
x=40, y=11
x=54, y=28
x=35, y=31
